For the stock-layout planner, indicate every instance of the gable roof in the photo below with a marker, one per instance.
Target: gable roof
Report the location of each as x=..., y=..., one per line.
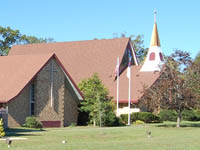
x=83, y=58
x=139, y=81
x=17, y=71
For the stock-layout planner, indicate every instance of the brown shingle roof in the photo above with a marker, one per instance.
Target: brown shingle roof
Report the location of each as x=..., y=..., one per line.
x=18, y=70
x=83, y=58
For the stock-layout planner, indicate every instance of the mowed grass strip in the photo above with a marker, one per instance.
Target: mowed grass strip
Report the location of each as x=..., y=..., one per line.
x=164, y=137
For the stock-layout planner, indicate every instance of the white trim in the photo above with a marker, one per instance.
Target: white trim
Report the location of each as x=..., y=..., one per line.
x=118, y=84
x=74, y=88
x=7, y=109
x=129, y=98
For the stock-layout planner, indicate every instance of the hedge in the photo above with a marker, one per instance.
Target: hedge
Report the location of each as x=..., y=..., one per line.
x=146, y=117
x=168, y=115
x=190, y=115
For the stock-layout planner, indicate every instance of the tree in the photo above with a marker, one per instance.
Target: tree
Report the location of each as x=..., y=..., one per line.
x=9, y=37
x=171, y=90
x=138, y=45
x=97, y=101
x=193, y=77
x=2, y=132
x=32, y=39
x=197, y=59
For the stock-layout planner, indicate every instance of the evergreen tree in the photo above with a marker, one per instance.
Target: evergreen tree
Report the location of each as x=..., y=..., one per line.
x=2, y=132
x=97, y=102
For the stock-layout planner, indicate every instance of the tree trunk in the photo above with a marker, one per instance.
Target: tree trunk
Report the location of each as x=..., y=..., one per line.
x=94, y=123
x=178, y=120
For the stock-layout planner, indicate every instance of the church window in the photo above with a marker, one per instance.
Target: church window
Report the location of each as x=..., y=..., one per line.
x=161, y=56
x=152, y=56
x=32, y=99
x=125, y=60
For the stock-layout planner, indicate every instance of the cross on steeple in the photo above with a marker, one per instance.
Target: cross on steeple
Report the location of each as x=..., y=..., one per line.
x=155, y=13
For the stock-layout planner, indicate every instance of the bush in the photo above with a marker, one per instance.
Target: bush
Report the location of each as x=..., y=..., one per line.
x=2, y=132
x=146, y=117
x=137, y=122
x=31, y=122
x=110, y=119
x=190, y=115
x=168, y=115
x=124, y=118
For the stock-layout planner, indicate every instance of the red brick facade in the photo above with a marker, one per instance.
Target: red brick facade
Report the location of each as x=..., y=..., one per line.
x=61, y=110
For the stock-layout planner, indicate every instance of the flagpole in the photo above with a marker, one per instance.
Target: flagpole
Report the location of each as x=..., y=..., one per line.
x=117, y=86
x=129, y=98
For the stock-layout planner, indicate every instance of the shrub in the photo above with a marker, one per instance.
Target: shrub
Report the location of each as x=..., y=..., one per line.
x=190, y=115
x=146, y=117
x=137, y=122
x=124, y=118
x=2, y=132
x=72, y=125
x=110, y=119
x=168, y=115
x=31, y=122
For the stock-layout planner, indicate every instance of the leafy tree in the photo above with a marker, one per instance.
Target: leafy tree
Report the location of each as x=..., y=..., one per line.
x=2, y=132
x=97, y=102
x=9, y=37
x=32, y=39
x=138, y=45
x=197, y=59
x=171, y=90
x=193, y=77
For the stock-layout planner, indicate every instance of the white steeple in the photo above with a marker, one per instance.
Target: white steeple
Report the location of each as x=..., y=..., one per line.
x=154, y=58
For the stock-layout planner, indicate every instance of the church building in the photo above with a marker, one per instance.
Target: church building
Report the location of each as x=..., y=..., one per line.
x=40, y=86
x=41, y=79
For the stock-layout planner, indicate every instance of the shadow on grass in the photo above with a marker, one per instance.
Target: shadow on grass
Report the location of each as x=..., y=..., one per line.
x=22, y=132
x=169, y=125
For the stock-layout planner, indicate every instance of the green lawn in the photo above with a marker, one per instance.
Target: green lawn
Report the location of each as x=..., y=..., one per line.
x=164, y=137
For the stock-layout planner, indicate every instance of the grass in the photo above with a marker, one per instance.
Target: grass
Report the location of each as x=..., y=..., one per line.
x=165, y=136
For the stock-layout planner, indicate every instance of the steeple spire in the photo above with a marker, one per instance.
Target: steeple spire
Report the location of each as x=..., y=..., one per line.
x=154, y=59
x=155, y=41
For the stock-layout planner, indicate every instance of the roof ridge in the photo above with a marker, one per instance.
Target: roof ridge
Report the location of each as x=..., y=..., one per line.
x=80, y=41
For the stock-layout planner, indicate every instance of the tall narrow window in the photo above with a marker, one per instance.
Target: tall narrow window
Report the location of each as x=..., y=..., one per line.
x=161, y=56
x=32, y=99
x=152, y=56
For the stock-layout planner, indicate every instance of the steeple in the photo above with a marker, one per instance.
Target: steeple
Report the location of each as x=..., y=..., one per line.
x=154, y=58
x=155, y=41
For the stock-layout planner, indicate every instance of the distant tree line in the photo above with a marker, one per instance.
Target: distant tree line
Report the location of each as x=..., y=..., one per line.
x=9, y=37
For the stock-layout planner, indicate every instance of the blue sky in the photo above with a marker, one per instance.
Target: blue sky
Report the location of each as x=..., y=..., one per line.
x=178, y=20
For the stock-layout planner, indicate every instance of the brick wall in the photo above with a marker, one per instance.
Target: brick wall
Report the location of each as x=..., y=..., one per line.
x=64, y=108
x=18, y=108
x=70, y=105
x=44, y=111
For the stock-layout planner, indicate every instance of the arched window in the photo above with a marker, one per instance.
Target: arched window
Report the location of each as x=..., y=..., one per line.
x=152, y=56
x=161, y=56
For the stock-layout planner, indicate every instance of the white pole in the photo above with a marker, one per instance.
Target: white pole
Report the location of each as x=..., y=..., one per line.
x=129, y=99
x=117, y=86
